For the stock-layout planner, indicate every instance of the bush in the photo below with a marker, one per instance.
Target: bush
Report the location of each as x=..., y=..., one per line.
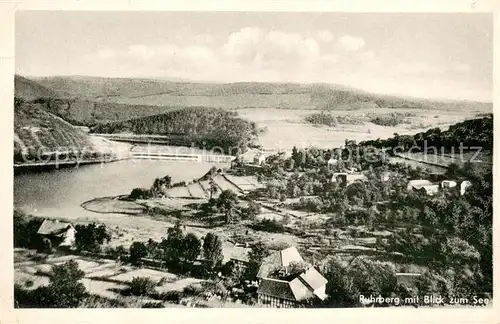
x=142, y=286
x=140, y=193
x=25, y=230
x=64, y=290
x=153, y=305
x=91, y=237
x=138, y=250
x=171, y=296
x=119, y=252
x=269, y=225
x=45, y=246
x=193, y=290
x=331, y=120
x=251, y=211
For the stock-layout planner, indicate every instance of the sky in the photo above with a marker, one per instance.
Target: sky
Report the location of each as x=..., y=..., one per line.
x=439, y=55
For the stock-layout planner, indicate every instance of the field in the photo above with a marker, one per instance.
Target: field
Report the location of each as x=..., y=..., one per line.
x=103, y=277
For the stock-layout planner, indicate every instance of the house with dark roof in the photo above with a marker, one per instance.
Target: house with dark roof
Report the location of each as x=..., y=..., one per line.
x=286, y=280
x=61, y=234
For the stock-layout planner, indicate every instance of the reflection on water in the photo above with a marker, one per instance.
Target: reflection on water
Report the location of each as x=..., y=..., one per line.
x=61, y=191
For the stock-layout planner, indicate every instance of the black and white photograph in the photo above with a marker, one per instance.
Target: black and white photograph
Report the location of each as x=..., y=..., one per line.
x=233, y=159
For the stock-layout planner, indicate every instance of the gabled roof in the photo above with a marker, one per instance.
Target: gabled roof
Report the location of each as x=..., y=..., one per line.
x=290, y=255
x=302, y=287
x=313, y=278
x=53, y=227
x=279, y=259
x=300, y=290
x=276, y=288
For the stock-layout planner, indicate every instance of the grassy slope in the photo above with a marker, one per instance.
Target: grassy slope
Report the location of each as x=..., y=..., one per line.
x=29, y=89
x=35, y=128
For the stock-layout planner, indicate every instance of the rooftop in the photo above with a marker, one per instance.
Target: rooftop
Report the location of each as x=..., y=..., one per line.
x=279, y=259
x=53, y=227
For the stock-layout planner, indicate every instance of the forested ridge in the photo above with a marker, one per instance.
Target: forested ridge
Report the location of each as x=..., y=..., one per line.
x=205, y=127
x=474, y=132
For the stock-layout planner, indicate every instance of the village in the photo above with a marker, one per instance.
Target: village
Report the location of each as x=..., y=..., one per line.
x=271, y=248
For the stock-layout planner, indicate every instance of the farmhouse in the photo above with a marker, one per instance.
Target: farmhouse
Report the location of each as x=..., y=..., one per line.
x=59, y=233
x=288, y=289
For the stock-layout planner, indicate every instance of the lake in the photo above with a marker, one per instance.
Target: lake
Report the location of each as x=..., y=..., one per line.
x=59, y=193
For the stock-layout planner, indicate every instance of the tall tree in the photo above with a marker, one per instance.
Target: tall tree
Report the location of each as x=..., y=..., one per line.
x=212, y=250
x=227, y=202
x=90, y=237
x=213, y=188
x=172, y=245
x=256, y=255
x=191, y=248
x=65, y=289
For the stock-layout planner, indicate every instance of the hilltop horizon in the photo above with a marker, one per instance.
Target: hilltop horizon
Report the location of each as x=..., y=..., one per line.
x=335, y=86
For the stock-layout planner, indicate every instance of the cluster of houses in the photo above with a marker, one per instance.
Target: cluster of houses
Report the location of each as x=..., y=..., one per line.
x=430, y=188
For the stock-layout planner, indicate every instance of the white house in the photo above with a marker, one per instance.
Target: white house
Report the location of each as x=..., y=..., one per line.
x=463, y=187
x=259, y=158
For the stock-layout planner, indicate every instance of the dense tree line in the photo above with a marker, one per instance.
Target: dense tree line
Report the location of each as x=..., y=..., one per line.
x=329, y=119
x=475, y=132
x=205, y=127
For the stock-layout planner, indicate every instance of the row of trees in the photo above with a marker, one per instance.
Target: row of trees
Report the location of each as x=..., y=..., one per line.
x=180, y=249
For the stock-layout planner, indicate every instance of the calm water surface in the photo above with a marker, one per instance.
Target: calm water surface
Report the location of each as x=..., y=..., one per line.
x=59, y=193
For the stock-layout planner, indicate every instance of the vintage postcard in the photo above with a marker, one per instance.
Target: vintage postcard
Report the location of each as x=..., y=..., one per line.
x=252, y=160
